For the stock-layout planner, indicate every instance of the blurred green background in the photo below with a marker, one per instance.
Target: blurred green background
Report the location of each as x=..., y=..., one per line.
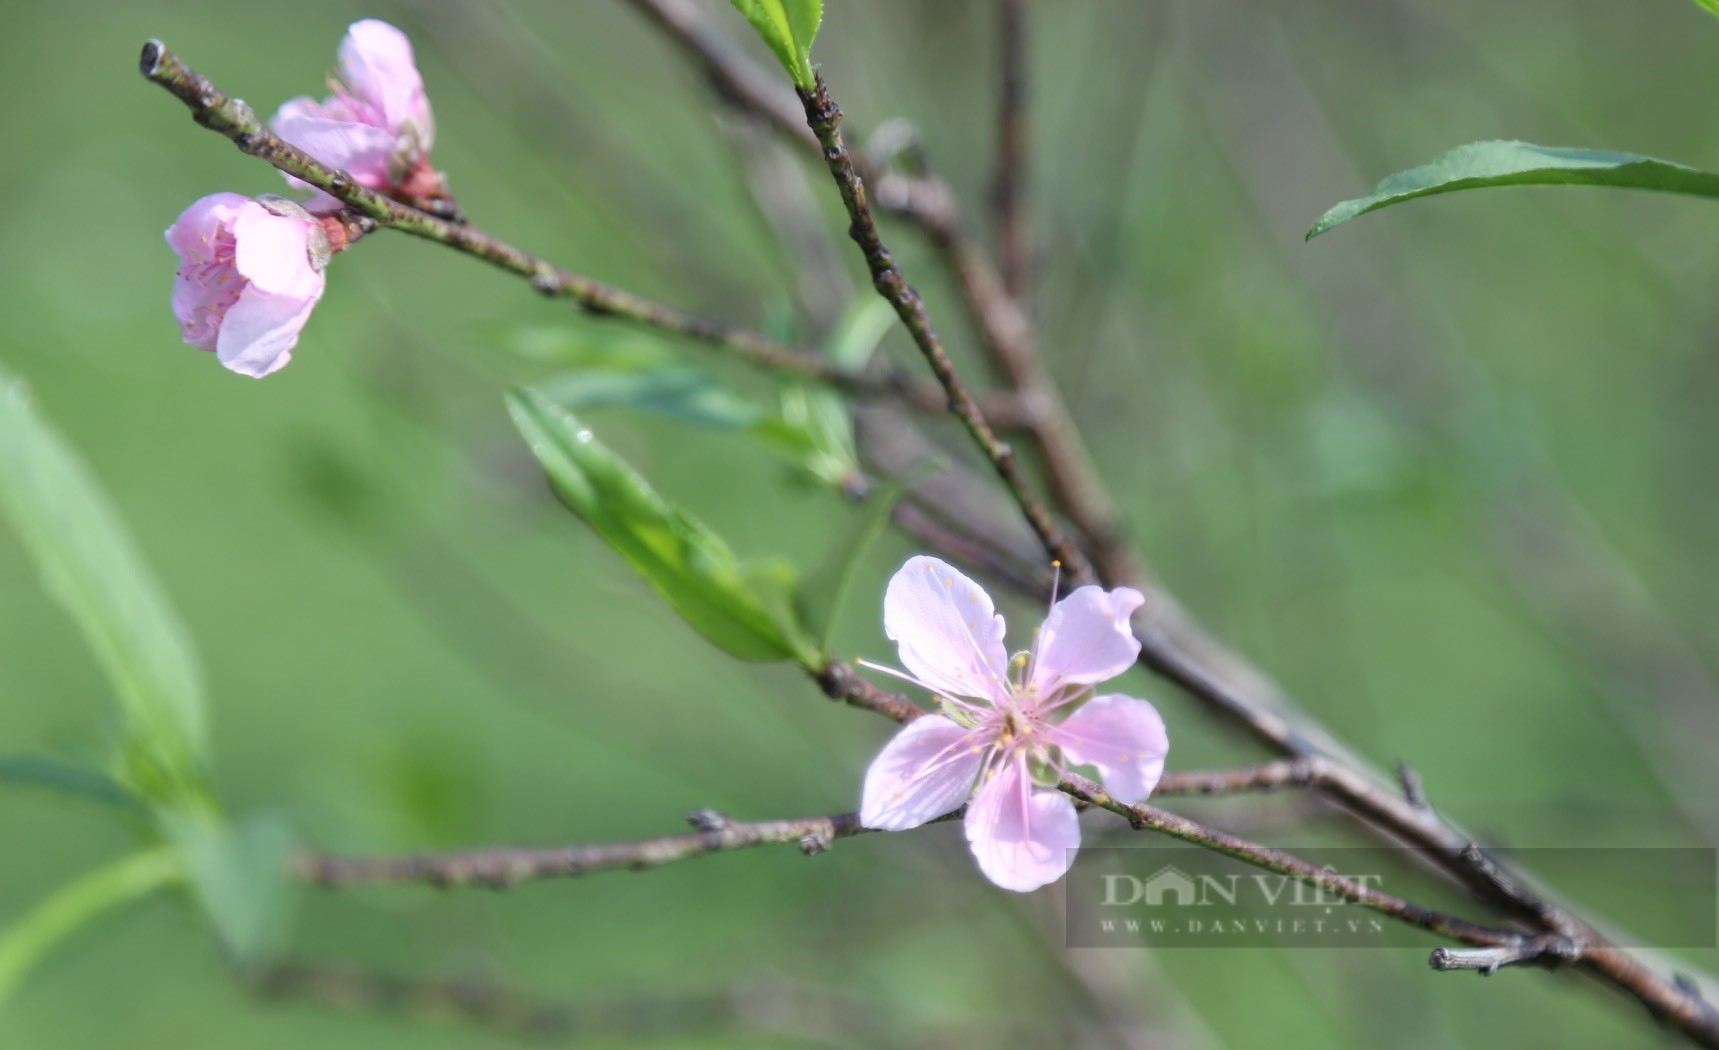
x=1447, y=473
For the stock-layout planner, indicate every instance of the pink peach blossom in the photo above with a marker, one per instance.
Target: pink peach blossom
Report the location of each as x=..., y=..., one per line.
x=376, y=122
x=250, y=271
x=1003, y=736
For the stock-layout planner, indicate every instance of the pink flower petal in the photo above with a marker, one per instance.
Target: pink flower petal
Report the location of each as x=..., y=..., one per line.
x=260, y=330
x=925, y=771
x=376, y=61
x=946, y=629
x=1123, y=737
x=1022, y=838
x=272, y=252
x=201, y=300
x=1086, y=638
x=192, y=235
x=360, y=150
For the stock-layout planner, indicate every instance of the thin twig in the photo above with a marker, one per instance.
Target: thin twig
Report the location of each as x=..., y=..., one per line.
x=840, y=682
x=1546, y=949
x=503, y=868
x=913, y=517
x=746, y=86
x=1014, y=232
x=824, y=118
x=925, y=201
x=1266, y=776
x=1150, y=818
x=234, y=119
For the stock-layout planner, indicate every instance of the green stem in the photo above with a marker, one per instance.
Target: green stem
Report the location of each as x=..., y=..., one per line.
x=76, y=904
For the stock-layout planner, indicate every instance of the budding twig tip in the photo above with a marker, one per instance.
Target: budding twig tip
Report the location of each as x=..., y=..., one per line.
x=149, y=62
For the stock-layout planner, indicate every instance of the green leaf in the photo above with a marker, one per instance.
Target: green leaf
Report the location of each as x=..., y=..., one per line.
x=587, y=344
x=90, y=565
x=1709, y=6
x=1483, y=164
x=788, y=27
x=816, y=424
x=861, y=327
x=66, y=778
x=73, y=905
x=676, y=392
x=686, y=563
x=238, y=872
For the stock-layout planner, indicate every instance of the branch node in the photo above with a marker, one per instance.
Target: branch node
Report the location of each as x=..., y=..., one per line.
x=1413, y=790
x=708, y=820
x=1549, y=950
x=813, y=843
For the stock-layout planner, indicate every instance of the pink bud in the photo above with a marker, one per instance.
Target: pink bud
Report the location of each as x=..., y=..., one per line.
x=250, y=271
x=376, y=124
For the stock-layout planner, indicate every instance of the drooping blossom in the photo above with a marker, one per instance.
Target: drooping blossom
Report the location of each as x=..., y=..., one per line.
x=1010, y=726
x=250, y=271
x=376, y=122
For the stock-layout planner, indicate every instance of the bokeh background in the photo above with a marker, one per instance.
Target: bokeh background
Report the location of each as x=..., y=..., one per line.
x=1447, y=473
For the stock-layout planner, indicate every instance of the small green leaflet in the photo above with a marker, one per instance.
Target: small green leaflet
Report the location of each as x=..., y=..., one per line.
x=238, y=871
x=66, y=778
x=1483, y=164
x=788, y=27
x=743, y=609
x=75, y=904
x=90, y=565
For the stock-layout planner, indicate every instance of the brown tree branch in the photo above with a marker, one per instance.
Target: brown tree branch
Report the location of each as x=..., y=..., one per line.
x=1563, y=937
x=1014, y=230
x=504, y=868
x=824, y=118
x=234, y=119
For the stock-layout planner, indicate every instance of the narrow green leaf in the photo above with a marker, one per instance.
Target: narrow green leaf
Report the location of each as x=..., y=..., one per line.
x=65, y=778
x=811, y=427
x=62, y=914
x=686, y=563
x=788, y=28
x=855, y=336
x=1484, y=164
x=1709, y=6
x=815, y=426
x=90, y=565
x=680, y=393
x=238, y=871
x=587, y=344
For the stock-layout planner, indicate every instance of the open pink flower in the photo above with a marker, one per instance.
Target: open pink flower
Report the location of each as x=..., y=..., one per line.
x=250, y=271
x=1004, y=726
x=376, y=122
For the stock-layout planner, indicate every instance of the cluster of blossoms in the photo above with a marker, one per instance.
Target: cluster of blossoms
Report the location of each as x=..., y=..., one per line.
x=251, y=269
x=1006, y=735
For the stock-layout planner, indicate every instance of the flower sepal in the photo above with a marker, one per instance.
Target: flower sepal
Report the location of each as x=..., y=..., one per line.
x=1042, y=767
